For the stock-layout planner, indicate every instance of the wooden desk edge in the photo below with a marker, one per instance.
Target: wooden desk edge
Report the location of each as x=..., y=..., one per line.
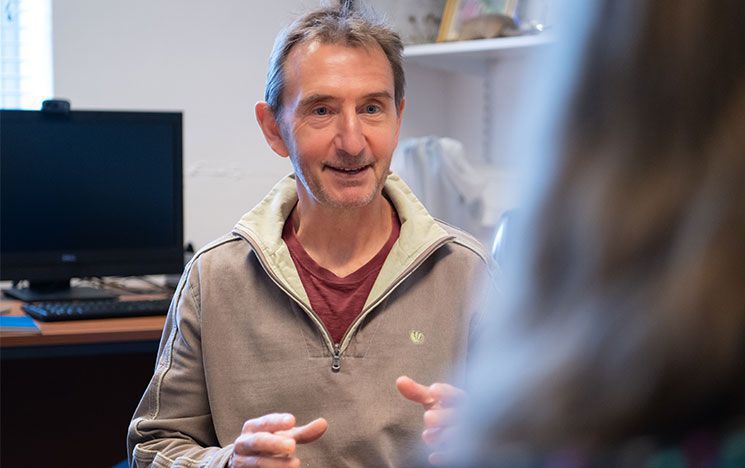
x=83, y=331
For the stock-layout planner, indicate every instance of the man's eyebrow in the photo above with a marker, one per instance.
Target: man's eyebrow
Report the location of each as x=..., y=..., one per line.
x=379, y=95
x=313, y=99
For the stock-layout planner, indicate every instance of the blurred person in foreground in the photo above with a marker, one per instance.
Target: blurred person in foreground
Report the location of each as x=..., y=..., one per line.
x=623, y=339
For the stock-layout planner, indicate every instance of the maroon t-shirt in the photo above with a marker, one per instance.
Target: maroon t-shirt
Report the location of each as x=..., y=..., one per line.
x=337, y=301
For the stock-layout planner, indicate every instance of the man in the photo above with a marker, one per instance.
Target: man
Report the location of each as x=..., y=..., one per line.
x=334, y=285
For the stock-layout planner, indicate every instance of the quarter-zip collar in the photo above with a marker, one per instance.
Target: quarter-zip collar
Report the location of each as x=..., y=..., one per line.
x=262, y=227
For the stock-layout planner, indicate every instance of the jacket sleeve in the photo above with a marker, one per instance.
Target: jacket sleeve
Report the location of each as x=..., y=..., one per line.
x=488, y=298
x=172, y=425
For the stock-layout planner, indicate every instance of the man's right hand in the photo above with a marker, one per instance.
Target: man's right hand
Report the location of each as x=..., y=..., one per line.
x=269, y=441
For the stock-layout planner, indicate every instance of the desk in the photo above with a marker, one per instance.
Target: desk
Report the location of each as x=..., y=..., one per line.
x=68, y=393
x=78, y=332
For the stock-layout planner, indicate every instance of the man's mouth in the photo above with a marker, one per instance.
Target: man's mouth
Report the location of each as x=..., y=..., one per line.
x=348, y=170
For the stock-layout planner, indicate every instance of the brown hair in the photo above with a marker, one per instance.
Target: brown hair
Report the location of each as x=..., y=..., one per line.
x=334, y=25
x=630, y=298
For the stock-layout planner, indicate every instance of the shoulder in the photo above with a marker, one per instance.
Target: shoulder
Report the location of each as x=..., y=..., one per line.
x=465, y=242
x=221, y=255
x=471, y=254
x=219, y=247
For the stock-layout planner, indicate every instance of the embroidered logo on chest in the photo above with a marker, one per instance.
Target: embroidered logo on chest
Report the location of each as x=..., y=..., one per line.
x=416, y=337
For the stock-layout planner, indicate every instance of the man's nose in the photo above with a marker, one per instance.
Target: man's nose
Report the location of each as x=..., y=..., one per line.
x=349, y=136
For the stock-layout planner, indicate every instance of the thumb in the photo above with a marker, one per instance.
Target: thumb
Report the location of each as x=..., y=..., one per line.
x=307, y=433
x=414, y=391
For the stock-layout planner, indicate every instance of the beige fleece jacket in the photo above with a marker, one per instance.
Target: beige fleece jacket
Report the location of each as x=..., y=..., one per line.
x=241, y=340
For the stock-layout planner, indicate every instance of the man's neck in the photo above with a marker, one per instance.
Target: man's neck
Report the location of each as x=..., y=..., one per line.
x=342, y=240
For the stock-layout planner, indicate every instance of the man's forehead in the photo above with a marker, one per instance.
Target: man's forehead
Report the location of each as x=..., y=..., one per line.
x=310, y=48
x=312, y=62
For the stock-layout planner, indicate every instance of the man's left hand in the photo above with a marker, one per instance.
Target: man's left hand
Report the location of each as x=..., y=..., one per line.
x=439, y=401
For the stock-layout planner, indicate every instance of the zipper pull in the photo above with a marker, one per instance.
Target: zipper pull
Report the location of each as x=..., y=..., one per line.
x=336, y=359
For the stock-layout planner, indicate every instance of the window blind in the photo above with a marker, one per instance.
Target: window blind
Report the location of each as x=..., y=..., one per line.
x=25, y=53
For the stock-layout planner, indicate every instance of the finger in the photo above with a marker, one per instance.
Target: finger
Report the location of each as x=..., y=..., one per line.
x=439, y=417
x=264, y=443
x=446, y=394
x=414, y=391
x=269, y=423
x=307, y=433
x=432, y=436
x=439, y=458
x=441, y=441
x=253, y=461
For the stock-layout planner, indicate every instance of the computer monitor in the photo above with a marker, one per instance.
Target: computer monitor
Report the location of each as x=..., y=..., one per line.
x=88, y=194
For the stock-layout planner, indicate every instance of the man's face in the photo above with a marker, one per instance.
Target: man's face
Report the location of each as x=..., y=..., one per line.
x=339, y=122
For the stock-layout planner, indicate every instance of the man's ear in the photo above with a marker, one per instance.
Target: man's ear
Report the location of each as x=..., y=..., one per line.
x=270, y=127
x=400, y=115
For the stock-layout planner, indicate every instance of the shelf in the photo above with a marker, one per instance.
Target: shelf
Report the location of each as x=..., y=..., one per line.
x=473, y=56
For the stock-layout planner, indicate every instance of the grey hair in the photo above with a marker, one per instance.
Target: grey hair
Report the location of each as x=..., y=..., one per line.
x=334, y=25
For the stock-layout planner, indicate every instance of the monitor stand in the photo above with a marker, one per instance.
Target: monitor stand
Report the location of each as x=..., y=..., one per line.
x=57, y=291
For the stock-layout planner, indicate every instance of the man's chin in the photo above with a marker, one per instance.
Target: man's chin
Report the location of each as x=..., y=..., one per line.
x=350, y=200
x=350, y=204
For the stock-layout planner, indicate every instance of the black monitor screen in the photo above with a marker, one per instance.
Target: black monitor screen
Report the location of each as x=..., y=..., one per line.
x=90, y=193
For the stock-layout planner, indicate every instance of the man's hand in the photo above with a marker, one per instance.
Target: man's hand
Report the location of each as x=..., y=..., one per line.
x=439, y=401
x=269, y=441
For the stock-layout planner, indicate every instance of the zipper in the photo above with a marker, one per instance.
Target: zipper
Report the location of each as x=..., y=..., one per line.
x=336, y=359
x=338, y=348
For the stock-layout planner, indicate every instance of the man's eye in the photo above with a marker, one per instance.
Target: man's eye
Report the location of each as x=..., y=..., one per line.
x=321, y=111
x=372, y=109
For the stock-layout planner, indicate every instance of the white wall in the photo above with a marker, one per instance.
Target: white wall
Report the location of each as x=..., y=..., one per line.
x=209, y=60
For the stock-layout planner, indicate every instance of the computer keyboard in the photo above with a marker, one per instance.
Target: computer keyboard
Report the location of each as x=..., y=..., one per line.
x=58, y=311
